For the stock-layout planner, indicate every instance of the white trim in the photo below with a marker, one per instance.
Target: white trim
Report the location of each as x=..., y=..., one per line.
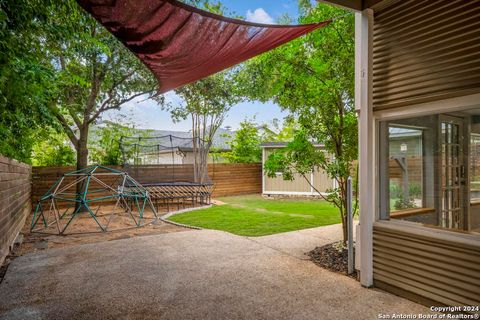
x=312, y=181
x=364, y=105
x=334, y=183
x=263, y=171
x=429, y=108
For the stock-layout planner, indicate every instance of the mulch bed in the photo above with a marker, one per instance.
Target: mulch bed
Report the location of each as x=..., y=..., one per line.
x=331, y=257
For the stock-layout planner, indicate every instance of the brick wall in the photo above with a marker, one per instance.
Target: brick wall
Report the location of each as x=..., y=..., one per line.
x=15, y=204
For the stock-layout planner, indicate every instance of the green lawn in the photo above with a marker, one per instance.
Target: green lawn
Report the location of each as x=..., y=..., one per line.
x=253, y=215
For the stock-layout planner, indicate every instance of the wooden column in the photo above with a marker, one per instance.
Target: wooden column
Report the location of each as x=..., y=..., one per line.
x=363, y=104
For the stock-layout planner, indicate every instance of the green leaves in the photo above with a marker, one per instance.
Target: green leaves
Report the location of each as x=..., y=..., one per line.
x=313, y=78
x=27, y=84
x=299, y=156
x=60, y=68
x=245, y=146
x=104, y=142
x=210, y=96
x=52, y=149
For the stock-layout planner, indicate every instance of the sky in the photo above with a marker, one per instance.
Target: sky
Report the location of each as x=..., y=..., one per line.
x=148, y=115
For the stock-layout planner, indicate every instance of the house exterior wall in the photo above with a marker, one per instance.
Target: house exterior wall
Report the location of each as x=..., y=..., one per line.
x=299, y=186
x=168, y=158
x=425, y=265
x=414, y=58
x=190, y=158
x=425, y=52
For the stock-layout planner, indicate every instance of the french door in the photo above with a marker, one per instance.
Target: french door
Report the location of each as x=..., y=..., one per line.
x=452, y=182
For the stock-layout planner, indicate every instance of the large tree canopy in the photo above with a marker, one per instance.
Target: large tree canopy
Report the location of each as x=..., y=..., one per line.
x=95, y=73
x=60, y=67
x=27, y=80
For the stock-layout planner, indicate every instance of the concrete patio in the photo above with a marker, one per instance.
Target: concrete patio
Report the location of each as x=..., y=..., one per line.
x=189, y=275
x=298, y=243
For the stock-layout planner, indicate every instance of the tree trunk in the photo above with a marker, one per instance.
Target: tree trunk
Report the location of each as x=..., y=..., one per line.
x=344, y=203
x=82, y=151
x=82, y=157
x=345, y=228
x=82, y=163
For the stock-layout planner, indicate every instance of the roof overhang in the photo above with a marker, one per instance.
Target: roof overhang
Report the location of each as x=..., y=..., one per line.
x=357, y=5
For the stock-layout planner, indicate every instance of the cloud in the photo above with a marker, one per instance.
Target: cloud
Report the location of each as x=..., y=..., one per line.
x=259, y=16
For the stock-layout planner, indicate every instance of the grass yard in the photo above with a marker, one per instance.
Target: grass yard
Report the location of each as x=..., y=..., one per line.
x=253, y=215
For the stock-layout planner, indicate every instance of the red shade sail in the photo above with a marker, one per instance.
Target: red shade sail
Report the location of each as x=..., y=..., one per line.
x=180, y=43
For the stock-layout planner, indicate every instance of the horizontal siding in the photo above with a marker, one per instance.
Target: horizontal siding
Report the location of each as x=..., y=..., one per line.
x=278, y=184
x=321, y=182
x=425, y=51
x=433, y=267
x=15, y=205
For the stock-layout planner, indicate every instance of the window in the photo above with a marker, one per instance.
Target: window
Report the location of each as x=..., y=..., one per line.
x=430, y=170
x=475, y=168
x=405, y=163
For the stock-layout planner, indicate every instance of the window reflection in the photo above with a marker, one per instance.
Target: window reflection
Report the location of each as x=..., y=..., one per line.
x=430, y=170
x=405, y=167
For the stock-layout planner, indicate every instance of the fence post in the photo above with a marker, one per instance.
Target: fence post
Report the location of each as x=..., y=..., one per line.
x=351, y=255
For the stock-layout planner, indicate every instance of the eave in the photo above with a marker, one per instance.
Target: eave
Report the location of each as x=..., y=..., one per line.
x=357, y=5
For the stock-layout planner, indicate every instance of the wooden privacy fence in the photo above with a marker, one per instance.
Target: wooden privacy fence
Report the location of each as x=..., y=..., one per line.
x=415, y=170
x=228, y=179
x=15, y=204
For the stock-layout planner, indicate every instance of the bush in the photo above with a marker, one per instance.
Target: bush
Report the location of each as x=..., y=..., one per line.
x=395, y=191
x=53, y=149
x=401, y=204
x=415, y=190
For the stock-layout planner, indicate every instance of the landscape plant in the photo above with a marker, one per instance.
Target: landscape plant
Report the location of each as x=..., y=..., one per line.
x=104, y=142
x=312, y=78
x=52, y=148
x=245, y=144
x=27, y=80
x=60, y=68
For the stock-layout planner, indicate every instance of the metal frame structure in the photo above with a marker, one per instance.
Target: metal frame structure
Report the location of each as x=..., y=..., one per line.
x=81, y=190
x=160, y=164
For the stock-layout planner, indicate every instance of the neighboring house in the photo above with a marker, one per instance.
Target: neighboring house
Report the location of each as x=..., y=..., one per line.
x=418, y=70
x=220, y=140
x=182, y=150
x=299, y=186
x=184, y=155
x=160, y=150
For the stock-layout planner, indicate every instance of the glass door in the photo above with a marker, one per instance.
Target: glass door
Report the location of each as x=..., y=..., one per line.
x=452, y=168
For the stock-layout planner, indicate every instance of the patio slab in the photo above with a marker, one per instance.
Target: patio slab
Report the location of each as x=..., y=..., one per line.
x=297, y=243
x=185, y=275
